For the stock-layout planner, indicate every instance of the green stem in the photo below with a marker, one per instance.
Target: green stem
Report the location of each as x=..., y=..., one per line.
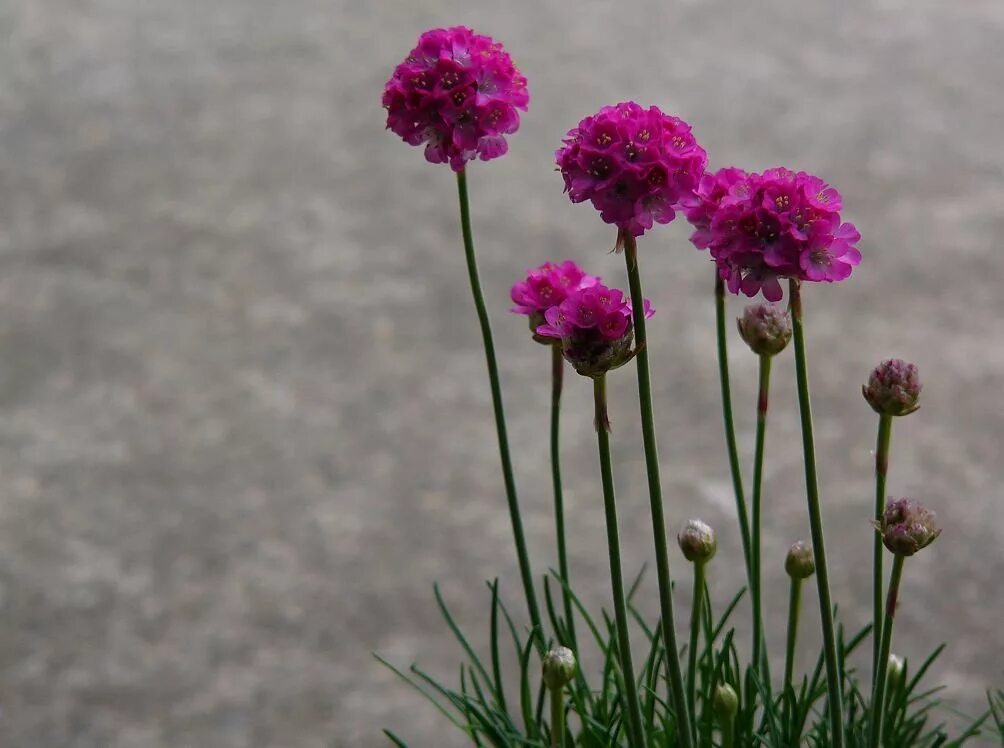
x=881, y=673
x=881, y=470
x=679, y=699
x=759, y=644
x=557, y=375
x=695, y=627
x=728, y=732
x=794, y=607
x=500, y=427
x=730, y=429
x=834, y=699
x=557, y=717
x=633, y=717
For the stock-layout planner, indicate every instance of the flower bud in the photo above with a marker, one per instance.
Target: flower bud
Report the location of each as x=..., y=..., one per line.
x=766, y=328
x=897, y=668
x=906, y=527
x=893, y=388
x=559, y=668
x=697, y=541
x=799, y=562
x=725, y=702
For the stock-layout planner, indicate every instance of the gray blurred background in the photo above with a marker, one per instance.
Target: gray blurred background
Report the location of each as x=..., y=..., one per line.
x=244, y=422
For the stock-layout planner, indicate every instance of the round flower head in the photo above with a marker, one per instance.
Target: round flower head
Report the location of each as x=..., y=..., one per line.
x=457, y=92
x=799, y=563
x=559, y=667
x=697, y=541
x=778, y=224
x=766, y=328
x=906, y=527
x=893, y=388
x=595, y=328
x=547, y=286
x=636, y=165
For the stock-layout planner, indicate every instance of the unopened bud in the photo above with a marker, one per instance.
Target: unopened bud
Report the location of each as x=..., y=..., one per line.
x=893, y=388
x=559, y=668
x=697, y=541
x=799, y=562
x=896, y=669
x=766, y=328
x=906, y=527
x=725, y=702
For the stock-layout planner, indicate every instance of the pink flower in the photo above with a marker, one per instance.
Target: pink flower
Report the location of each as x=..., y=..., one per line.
x=548, y=286
x=637, y=166
x=594, y=327
x=458, y=93
x=760, y=228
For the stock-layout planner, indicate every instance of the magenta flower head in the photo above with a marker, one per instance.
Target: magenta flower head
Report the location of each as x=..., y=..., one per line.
x=547, y=286
x=595, y=329
x=906, y=527
x=893, y=388
x=636, y=165
x=778, y=224
x=457, y=92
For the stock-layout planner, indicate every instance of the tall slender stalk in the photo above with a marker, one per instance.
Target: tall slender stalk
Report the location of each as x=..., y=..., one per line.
x=695, y=628
x=834, y=699
x=730, y=429
x=881, y=470
x=763, y=393
x=633, y=710
x=557, y=375
x=794, y=608
x=679, y=699
x=881, y=673
x=493, y=377
x=557, y=717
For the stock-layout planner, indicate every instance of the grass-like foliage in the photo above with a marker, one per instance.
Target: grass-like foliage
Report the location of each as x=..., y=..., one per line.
x=494, y=710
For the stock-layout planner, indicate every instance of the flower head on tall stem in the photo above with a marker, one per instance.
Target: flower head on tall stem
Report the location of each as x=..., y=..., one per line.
x=594, y=327
x=558, y=667
x=893, y=388
x=760, y=228
x=799, y=563
x=638, y=166
x=907, y=527
x=698, y=541
x=547, y=286
x=458, y=93
x=765, y=328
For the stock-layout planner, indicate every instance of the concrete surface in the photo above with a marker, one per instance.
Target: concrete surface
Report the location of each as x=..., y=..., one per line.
x=244, y=422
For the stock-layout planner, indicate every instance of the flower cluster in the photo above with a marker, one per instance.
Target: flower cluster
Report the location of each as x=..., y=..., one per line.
x=547, y=286
x=907, y=527
x=458, y=93
x=636, y=165
x=893, y=388
x=777, y=224
x=595, y=328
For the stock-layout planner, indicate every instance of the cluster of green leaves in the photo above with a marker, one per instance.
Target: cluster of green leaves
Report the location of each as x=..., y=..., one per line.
x=490, y=714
